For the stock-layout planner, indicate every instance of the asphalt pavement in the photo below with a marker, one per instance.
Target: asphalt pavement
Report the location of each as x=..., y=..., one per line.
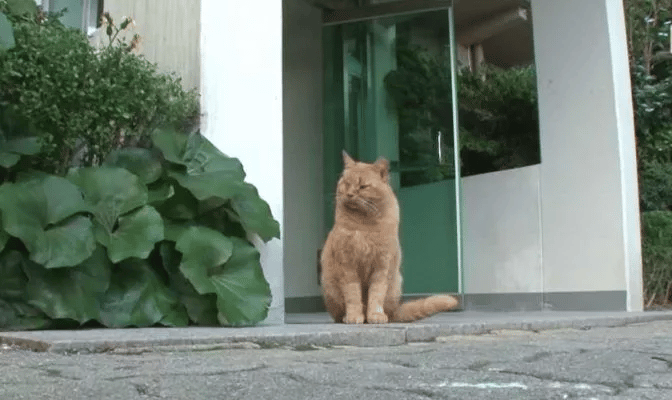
x=613, y=360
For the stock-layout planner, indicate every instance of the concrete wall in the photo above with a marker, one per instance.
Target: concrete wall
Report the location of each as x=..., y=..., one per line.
x=588, y=171
x=302, y=105
x=170, y=31
x=242, y=102
x=502, y=232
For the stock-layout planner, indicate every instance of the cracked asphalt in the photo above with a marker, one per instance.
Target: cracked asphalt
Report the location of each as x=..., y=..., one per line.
x=631, y=362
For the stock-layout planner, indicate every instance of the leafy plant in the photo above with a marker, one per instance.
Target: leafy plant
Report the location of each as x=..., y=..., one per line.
x=156, y=235
x=657, y=256
x=499, y=108
x=86, y=101
x=498, y=112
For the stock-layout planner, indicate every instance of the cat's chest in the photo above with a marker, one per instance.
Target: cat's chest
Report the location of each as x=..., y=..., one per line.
x=366, y=245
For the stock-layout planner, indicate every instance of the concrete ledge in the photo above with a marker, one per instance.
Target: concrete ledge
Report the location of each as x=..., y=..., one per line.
x=304, y=333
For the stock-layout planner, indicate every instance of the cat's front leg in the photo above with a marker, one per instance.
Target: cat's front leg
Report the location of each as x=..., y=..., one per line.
x=375, y=313
x=354, y=309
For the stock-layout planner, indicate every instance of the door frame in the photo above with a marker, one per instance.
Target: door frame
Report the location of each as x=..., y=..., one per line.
x=398, y=8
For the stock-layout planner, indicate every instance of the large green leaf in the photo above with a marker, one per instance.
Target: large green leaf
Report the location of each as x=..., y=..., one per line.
x=111, y=191
x=255, y=214
x=4, y=236
x=123, y=222
x=197, y=154
x=8, y=159
x=22, y=7
x=19, y=316
x=43, y=213
x=243, y=294
x=182, y=205
x=198, y=165
x=13, y=281
x=134, y=236
x=204, y=251
x=159, y=192
x=202, y=309
x=204, y=185
x=74, y=293
x=228, y=267
x=137, y=297
x=144, y=163
x=6, y=33
x=172, y=144
x=208, y=174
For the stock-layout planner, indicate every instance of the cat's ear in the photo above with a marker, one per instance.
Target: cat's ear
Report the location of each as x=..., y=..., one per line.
x=347, y=160
x=383, y=167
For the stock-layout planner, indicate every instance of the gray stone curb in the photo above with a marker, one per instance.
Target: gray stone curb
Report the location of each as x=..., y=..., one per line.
x=312, y=335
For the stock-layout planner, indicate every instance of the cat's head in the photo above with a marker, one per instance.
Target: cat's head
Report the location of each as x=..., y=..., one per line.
x=363, y=188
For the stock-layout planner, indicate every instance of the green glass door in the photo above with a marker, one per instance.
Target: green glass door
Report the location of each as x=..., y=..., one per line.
x=389, y=92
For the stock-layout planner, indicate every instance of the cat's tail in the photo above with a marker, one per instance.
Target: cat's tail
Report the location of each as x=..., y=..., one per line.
x=422, y=308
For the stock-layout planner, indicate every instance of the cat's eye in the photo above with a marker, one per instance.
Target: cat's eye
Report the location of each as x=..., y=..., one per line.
x=364, y=186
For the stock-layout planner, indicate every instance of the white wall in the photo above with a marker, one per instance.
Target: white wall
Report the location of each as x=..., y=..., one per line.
x=241, y=47
x=303, y=219
x=502, y=232
x=588, y=195
x=628, y=154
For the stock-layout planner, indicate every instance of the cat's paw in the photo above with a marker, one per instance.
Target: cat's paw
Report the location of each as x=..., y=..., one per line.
x=376, y=318
x=353, y=319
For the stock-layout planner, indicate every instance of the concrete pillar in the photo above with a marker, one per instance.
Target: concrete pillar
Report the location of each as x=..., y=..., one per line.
x=241, y=86
x=589, y=196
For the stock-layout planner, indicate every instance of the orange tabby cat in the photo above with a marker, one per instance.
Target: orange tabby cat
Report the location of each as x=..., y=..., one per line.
x=361, y=259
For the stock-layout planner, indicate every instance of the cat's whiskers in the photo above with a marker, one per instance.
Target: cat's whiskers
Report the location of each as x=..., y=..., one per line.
x=363, y=204
x=369, y=205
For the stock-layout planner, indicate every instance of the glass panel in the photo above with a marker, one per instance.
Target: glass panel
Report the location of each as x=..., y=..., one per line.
x=389, y=92
x=73, y=17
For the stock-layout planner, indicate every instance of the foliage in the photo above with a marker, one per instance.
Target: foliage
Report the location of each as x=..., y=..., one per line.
x=657, y=256
x=499, y=119
x=421, y=91
x=154, y=236
x=648, y=24
x=132, y=235
x=498, y=112
x=648, y=27
x=85, y=101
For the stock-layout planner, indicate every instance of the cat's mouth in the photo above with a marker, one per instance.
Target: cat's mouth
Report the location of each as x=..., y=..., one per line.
x=361, y=205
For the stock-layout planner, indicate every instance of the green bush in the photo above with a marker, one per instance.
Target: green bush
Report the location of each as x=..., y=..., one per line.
x=157, y=234
x=86, y=101
x=153, y=236
x=499, y=119
x=498, y=112
x=657, y=256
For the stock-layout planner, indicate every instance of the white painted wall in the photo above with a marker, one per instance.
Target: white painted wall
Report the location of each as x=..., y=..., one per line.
x=303, y=83
x=628, y=154
x=241, y=49
x=588, y=189
x=502, y=232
